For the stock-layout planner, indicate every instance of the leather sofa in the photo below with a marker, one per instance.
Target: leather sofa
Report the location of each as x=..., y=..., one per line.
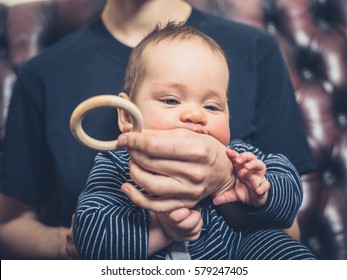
x=312, y=35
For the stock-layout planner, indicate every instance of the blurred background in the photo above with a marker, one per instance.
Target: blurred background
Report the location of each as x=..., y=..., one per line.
x=312, y=35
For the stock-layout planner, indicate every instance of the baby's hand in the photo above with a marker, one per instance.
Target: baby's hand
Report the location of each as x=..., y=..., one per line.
x=251, y=187
x=182, y=224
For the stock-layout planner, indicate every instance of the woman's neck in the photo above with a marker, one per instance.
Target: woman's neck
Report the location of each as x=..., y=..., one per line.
x=130, y=21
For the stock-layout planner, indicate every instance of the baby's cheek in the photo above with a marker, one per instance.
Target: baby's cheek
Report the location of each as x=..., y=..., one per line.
x=158, y=122
x=222, y=134
x=225, y=139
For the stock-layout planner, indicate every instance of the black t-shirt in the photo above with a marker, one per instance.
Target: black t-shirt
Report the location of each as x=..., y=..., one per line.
x=41, y=157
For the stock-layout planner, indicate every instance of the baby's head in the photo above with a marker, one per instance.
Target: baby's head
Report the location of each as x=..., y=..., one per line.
x=178, y=77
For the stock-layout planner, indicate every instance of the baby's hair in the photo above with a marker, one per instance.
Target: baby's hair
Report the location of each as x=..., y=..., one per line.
x=172, y=31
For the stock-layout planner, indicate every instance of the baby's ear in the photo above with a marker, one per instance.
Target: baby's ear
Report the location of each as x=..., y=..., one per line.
x=124, y=120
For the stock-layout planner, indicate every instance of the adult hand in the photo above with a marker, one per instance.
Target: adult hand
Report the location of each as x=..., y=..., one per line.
x=178, y=166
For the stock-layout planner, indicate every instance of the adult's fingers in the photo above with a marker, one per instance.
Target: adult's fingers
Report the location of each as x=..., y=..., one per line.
x=195, y=164
x=225, y=197
x=194, y=172
x=159, y=185
x=156, y=204
x=174, y=144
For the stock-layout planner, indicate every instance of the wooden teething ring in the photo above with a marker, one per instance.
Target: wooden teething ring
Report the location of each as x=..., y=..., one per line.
x=106, y=100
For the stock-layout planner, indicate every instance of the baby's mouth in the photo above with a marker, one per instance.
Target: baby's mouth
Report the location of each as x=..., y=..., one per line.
x=195, y=129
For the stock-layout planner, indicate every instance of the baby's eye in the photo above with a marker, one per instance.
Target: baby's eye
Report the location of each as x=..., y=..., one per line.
x=212, y=107
x=170, y=101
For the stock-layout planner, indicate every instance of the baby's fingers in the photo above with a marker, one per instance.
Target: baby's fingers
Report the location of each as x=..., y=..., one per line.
x=245, y=158
x=232, y=154
x=263, y=187
x=191, y=222
x=179, y=215
x=256, y=165
x=191, y=227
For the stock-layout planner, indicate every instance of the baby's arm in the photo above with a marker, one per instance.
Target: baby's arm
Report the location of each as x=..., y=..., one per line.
x=283, y=198
x=107, y=225
x=250, y=187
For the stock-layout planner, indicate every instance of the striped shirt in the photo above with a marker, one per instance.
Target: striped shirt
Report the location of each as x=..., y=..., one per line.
x=108, y=225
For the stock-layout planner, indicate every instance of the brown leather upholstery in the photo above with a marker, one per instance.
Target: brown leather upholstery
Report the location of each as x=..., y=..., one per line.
x=312, y=35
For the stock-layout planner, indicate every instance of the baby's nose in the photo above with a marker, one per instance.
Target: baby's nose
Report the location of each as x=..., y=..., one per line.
x=194, y=114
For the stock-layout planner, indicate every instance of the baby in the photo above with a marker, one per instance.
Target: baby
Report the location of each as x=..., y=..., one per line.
x=178, y=78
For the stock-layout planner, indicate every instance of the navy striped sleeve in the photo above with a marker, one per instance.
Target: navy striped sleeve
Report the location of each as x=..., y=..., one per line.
x=107, y=225
x=285, y=194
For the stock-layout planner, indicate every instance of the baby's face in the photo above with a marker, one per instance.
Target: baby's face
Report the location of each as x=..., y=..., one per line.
x=185, y=86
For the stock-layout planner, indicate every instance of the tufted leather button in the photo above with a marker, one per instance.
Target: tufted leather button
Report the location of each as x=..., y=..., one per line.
x=342, y=120
x=271, y=28
x=307, y=74
x=329, y=178
x=327, y=13
x=308, y=63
